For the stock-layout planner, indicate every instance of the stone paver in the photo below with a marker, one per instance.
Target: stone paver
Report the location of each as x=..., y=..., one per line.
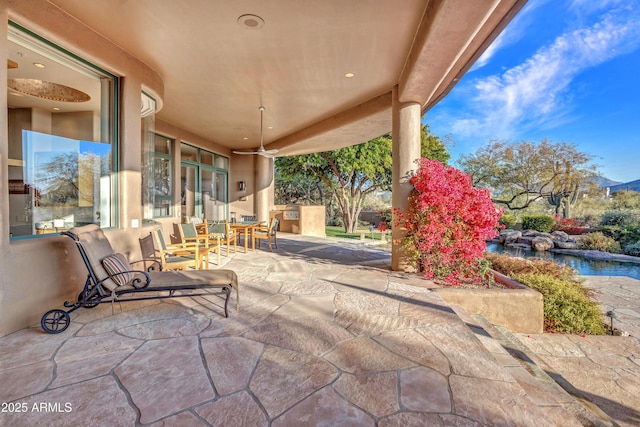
x=603, y=369
x=326, y=335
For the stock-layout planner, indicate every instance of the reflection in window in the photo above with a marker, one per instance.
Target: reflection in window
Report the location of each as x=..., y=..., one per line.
x=162, y=182
x=67, y=182
x=157, y=185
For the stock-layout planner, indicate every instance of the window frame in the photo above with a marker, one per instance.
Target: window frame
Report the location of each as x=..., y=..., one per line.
x=19, y=32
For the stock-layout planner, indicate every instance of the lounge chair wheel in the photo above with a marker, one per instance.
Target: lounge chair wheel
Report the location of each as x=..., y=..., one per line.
x=55, y=321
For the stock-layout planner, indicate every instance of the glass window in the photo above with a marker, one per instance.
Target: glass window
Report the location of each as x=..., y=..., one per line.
x=61, y=121
x=157, y=183
x=162, y=178
x=204, y=191
x=206, y=157
x=147, y=169
x=188, y=152
x=222, y=163
x=163, y=145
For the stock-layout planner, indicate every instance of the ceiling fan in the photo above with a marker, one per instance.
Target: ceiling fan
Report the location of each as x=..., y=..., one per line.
x=261, y=151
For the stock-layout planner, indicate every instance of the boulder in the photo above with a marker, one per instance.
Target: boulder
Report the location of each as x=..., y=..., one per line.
x=509, y=236
x=534, y=233
x=542, y=243
x=559, y=236
x=526, y=240
x=565, y=245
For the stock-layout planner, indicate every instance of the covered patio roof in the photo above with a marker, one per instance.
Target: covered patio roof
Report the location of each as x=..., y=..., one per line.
x=220, y=60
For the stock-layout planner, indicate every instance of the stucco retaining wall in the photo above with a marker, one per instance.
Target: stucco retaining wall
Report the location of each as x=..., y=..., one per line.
x=520, y=310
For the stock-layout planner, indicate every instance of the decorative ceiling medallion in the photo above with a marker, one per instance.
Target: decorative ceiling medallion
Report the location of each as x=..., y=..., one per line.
x=251, y=22
x=47, y=90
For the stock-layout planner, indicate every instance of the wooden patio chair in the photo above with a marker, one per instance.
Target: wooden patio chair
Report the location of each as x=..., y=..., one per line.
x=222, y=229
x=171, y=257
x=206, y=242
x=267, y=233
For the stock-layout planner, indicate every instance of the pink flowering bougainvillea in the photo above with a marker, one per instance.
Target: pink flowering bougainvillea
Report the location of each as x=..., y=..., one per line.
x=447, y=223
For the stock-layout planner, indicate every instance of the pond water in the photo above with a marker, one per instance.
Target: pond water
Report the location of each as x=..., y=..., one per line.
x=585, y=267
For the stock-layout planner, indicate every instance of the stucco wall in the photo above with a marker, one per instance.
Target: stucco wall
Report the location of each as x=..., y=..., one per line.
x=519, y=310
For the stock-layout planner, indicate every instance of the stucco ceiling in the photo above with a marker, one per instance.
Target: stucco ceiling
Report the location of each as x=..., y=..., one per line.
x=217, y=71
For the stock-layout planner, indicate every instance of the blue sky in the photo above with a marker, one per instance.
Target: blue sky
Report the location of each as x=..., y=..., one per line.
x=565, y=70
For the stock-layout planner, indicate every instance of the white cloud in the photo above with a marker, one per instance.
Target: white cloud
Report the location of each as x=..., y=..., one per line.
x=536, y=91
x=514, y=32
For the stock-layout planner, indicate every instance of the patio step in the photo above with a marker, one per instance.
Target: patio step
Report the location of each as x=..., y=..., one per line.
x=545, y=388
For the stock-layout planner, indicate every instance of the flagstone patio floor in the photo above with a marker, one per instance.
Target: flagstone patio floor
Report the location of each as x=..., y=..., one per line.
x=326, y=335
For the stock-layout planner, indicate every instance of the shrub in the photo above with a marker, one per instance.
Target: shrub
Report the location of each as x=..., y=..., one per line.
x=623, y=235
x=510, y=266
x=508, y=220
x=621, y=217
x=632, y=249
x=570, y=226
x=613, y=231
x=599, y=242
x=540, y=223
x=567, y=306
x=448, y=222
x=385, y=215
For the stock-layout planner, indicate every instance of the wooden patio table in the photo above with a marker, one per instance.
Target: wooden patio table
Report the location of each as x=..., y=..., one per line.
x=247, y=229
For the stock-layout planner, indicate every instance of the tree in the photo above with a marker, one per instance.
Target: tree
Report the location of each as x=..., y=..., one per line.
x=349, y=173
x=432, y=147
x=518, y=174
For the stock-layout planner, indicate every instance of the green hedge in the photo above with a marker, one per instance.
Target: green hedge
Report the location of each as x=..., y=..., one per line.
x=540, y=223
x=567, y=306
x=508, y=220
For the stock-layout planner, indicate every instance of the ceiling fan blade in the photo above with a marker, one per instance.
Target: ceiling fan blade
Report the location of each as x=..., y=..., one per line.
x=261, y=151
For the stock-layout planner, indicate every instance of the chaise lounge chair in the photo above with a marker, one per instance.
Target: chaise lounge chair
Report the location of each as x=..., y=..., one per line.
x=111, y=278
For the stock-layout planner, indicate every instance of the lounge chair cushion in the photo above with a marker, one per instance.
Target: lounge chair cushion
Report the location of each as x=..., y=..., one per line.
x=118, y=268
x=97, y=247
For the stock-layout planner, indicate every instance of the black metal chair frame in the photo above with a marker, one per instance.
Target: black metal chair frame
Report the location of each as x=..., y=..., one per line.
x=94, y=293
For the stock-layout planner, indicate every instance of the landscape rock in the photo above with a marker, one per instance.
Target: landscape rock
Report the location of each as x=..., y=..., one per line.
x=565, y=245
x=542, y=243
x=526, y=240
x=534, y=233
x=559, y=236
x=509, y=236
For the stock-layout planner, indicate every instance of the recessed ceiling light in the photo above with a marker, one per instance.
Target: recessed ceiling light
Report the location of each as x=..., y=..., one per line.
x=250, y=22
x=56, y=108
x=349, y=75
x=38, y=65
x=269, y=127
x=245, y=138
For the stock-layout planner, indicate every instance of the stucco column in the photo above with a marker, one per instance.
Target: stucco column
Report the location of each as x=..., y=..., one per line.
x=406, y=149
x=264, y=187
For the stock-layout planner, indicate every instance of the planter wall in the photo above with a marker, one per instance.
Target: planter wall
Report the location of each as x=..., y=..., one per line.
x=519, y=308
